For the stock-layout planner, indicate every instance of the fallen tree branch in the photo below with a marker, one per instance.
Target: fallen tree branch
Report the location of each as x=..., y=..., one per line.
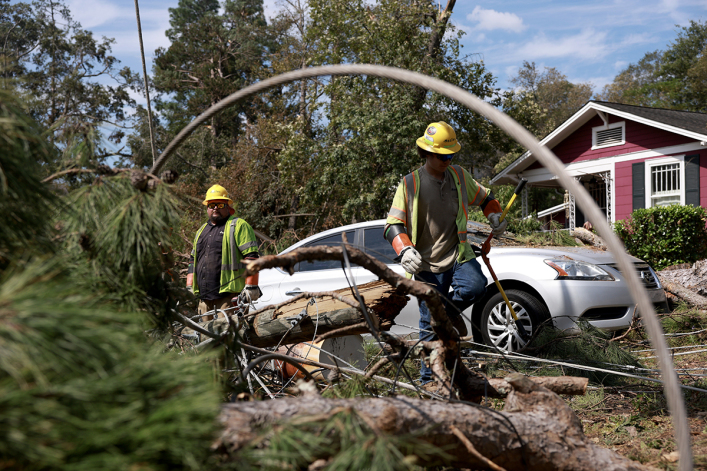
x=535, y=431
x=440, y=323
x=683, y=293
x=470, y=447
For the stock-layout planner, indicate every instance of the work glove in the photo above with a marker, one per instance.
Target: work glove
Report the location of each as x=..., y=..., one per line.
x=411, y=260
x=252, y=293
x=498, y=227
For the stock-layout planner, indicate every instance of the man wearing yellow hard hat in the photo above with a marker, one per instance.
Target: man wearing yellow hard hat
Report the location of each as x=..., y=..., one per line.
x=427, y=227
x=220, y=246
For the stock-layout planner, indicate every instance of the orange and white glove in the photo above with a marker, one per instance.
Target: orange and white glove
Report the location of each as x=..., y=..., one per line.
x=252, y=291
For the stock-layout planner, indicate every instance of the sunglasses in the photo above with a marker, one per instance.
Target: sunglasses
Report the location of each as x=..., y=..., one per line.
x=215, y=205
x=444, y=157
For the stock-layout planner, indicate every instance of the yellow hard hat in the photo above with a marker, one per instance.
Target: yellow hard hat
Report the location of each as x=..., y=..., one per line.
x=439, y=138
x=217, y=192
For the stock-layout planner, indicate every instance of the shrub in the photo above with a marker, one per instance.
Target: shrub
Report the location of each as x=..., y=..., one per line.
x=664, y=236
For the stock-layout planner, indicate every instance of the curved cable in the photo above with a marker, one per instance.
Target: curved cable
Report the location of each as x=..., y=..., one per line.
x=676, y=404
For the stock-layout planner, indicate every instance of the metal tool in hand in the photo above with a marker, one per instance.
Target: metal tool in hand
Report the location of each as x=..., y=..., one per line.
x=486, y=247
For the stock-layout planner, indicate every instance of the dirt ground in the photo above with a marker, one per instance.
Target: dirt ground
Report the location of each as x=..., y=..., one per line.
x=633, y=419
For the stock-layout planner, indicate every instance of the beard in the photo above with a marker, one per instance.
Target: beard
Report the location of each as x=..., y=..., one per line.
x=217, y=218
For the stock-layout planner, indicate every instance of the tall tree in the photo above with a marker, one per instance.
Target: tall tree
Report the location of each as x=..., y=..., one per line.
x=674, y=78
x=62, y=70
x=216, y=49
x=552, y=92
x=368, y=140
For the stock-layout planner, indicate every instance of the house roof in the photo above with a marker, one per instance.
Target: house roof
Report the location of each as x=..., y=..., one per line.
x=686, y=123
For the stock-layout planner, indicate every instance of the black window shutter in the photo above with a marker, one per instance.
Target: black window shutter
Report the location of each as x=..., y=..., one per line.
x=639, y=185
x=692, y=180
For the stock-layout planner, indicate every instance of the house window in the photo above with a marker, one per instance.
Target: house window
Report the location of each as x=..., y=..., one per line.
x=607, y=136
x=665, y=182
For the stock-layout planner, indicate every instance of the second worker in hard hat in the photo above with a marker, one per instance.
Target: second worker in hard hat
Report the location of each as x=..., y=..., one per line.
x=216, y=271
x=427, y=227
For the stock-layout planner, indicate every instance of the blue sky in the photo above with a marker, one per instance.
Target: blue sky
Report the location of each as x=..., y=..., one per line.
x=589, y=41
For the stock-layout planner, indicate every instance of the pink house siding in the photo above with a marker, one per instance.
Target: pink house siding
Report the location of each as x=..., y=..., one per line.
x=639, y=137
x=623, y=184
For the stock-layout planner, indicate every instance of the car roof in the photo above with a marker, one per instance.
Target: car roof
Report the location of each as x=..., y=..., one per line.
x=336, y=230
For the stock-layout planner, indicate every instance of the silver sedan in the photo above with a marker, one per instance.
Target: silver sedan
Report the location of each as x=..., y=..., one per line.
x=557, y=285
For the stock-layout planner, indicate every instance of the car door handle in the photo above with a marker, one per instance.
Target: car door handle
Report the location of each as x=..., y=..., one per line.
x=294, y=292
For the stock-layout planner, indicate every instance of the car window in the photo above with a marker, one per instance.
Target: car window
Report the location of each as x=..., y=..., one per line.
x=377, y=246
x=332, y=240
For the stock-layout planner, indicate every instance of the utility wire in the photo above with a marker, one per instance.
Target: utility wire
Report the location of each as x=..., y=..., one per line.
x=147, y=88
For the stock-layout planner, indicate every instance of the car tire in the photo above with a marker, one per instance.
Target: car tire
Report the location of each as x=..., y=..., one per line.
x=498, y=327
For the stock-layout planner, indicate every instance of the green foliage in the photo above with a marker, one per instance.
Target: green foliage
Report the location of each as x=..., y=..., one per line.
x=664, y=236
x=112, y=214
x=673, y=79
x=81, y=389
x=553, y=237
x=589, y=346
x=555, y=98
x=216, y=49
x=24, y=200
x=68, y=80
x=347, y=438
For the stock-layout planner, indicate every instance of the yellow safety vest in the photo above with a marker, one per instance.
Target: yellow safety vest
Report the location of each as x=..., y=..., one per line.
x=406, y=199
x=238, y=241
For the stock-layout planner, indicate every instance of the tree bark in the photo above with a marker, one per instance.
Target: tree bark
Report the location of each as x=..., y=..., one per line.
x=271, y=326
x=683, y=293
x=535, y=431
x=588, y=237
x=439, y=28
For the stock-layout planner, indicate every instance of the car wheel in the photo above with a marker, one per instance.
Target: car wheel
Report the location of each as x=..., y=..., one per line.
x=498, y=327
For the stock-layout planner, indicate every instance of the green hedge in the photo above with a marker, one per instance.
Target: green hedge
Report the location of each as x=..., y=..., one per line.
x=665, y=236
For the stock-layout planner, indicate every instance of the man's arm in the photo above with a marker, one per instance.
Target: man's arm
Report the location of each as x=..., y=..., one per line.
x=488, y=203
x=248, y=246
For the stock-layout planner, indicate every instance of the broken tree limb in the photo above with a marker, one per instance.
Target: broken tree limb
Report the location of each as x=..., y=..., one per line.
x=588, y=237
x=535, y=431
x=440, y=323
x=683, y=293
x=330, y=311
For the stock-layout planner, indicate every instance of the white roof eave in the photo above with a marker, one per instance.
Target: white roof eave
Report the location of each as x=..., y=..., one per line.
x=584, y=114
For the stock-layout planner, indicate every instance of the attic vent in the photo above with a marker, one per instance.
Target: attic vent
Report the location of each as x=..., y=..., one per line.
x=610, y=137
x=614, y=135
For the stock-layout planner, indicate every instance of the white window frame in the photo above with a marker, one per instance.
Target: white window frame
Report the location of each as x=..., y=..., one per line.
x=621, y=124
x=650, y=163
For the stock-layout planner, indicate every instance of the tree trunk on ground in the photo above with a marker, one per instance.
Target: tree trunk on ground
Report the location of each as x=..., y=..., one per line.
x=535, y=431
x=682, y=292
x=692, y=277
x=588, y=237
x=328, y=314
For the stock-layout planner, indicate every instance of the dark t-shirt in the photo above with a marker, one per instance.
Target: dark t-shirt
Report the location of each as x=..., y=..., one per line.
x=208, y=261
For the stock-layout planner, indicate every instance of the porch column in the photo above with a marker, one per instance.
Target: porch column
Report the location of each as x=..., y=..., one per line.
x=524, y=201
x=608, y=184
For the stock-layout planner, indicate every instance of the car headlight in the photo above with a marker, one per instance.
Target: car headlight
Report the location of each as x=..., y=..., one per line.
x=574, y=270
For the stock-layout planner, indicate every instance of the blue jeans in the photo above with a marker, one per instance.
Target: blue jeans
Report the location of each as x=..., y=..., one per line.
x=468, y=284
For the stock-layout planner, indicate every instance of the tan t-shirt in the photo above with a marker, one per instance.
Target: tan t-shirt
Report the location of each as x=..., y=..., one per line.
x=437, y=209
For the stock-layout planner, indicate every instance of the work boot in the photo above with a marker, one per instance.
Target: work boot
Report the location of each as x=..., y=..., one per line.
x=460, y=324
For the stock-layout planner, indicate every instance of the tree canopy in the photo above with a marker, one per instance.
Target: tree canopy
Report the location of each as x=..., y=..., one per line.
x=673, y=79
